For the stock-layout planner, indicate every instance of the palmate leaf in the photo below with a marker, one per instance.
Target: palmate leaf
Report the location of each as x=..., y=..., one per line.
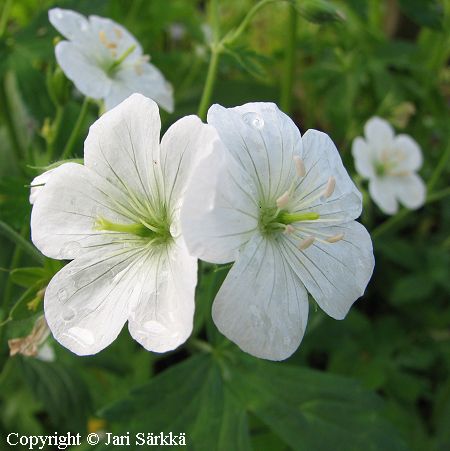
x=62, y=392
x=212, y=397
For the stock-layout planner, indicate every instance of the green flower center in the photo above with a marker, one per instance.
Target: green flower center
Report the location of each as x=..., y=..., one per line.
x=272, y=219
x=155, y=231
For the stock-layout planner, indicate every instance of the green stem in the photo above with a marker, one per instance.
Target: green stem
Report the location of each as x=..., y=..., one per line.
x=76, y=130
x=232, y=37
x=15, y=237
x=17, y=254
x=439, y=169
x=402, y=214
x=9, y=121
x=209, y=84
x=56, y=126
x=4, y=17
x=288, y=74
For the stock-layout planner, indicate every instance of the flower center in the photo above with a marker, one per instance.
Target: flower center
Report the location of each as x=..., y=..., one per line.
x=388, y=161
x=155, y=231
x=294, y=217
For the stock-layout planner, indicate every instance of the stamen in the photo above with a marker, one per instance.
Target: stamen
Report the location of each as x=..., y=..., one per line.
x=288, y=230
x=102, y=37
x=118, y=32
x=329, y=189
x=283, y=200
x=299, y=166
x=305, y=243
x=335, y=238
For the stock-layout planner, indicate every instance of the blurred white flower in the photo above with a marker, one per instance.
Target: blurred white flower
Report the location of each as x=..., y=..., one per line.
x=105, y=61
x=117, y=218
x=33, y=345
x=283, y=207
x=390, y=163
x=37, y=184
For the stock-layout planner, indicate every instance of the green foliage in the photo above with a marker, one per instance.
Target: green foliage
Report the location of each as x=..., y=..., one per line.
x=214, y=398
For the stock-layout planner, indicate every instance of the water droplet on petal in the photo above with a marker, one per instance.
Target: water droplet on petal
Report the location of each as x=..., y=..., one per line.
x=62, y=295
x=254, y=120
x=175, y=229
x=68, y=314
x=70, y=250
x=82, y=336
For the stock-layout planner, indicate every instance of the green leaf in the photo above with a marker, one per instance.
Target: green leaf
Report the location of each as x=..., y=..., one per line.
x=61, y=390
x=319, y=11
x=191, y=398
x=213, y=397
x=310, y=410
x=26, y=277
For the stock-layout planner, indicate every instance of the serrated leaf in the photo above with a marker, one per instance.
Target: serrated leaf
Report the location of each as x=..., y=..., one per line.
x=210, y=399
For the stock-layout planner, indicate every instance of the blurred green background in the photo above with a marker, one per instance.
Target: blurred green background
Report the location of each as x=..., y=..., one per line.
x=377, y=380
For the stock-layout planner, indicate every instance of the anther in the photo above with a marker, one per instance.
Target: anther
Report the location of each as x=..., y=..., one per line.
x=299, y=166
x=329, y=189
x=305, y=243
x=283, y=200
x=288, y=230
x=335, y=238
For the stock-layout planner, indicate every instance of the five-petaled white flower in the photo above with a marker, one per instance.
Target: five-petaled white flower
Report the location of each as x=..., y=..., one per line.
x=390, y=163
x=283, y=207
x=105, y=61
x=117, y=217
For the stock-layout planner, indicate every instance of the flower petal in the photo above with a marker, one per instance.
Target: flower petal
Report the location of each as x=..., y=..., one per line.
x=262, y=306
x=114, y=36
x=219, y=212
x=322, y=161
x=363, y=156
x=410, y=191
x=411, y=155
x=379, y=133
x=70, y=24
x=80, y=67
x=143, y=78
x=263, y=140
x=64, y=213
x=38, y=183
x=383, y=193
x=183, y=146
x=163, y=317
x=123, y=147
x=87, y=302
x=336, y=274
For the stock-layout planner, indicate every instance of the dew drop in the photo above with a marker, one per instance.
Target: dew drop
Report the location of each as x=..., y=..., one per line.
x=82, y=336
x=254, y=120
x=68, y=314
x=62, y=295
x=174, y=229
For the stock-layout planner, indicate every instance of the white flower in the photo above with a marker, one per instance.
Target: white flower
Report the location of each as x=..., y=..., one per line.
x=37, y=184
x=390, y=163
x=117, y=217
x=282, y=206
x=105, y=61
